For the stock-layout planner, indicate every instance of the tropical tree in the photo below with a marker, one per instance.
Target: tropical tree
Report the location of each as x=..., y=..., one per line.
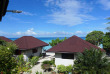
x=91, y=61
x=106, y=42
x=108, y=28
x=95, y=37
x=2, y=42
x=7, y=61
x=55, y=42
x=108, y=19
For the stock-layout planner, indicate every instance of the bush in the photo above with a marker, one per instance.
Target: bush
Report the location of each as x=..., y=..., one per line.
x=28, y=64
x=61, y=68
x=38, y=72
x=47, y=62
x=69, y=68
x=34, y=60
x=7, y=61
x=52, y=62
x=91, y=61
x=22, y=66
x=45, y=66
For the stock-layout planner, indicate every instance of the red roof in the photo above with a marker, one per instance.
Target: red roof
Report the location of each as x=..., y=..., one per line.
x=5, y=39
x=29, y=42
x=72, y=44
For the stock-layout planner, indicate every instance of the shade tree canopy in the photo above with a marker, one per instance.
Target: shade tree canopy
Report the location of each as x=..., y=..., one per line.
x=106, y=42
x=55, y=42
x=91, y=61
x=95, y=37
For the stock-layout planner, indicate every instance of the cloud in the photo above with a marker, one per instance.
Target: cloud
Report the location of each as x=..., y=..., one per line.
x=78, y=32
x=28, y=32
x=27, y=13
x=68, y=12
x=105, y=3
x=31, y=32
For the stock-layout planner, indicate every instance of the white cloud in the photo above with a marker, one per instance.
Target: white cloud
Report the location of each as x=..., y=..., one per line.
x=78, y=32
x=31, y=32
x=28, y=13
x=28, y=32
x=68, y=12
x=105, y=3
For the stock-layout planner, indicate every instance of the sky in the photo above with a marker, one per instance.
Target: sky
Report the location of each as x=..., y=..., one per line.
x=55, y=18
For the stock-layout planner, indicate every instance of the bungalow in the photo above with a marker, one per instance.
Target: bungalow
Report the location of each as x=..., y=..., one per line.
x=5, y=39
x=65, y=52
x=29, y=46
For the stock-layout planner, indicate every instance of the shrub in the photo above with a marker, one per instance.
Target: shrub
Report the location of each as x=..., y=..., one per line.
x=69, y=68
x=47, y=62
x=34, y=60
x=61, y=68
x=28, y=64
x=38, y=72
x=22, y=66
x=7, y=61
x=52, y=62
x=91, y=61
x=20, y=60
x=45, y=66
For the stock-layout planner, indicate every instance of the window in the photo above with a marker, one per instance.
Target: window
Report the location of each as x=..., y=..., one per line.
x=67, y=55
x=17, y=52
x=34, y=50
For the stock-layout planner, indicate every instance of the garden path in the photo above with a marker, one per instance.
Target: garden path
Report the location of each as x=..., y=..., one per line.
x=37, y=67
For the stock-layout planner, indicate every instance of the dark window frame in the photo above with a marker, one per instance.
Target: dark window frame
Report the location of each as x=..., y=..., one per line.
x=67, y=55
x=18, y=52
x=35, y=50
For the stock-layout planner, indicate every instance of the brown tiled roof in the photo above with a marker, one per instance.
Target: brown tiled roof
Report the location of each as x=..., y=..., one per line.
x=29, y=42
x=73, y=44
x=5, y=39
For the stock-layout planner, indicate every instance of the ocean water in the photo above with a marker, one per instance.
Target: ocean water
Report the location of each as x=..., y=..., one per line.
x=47, y=40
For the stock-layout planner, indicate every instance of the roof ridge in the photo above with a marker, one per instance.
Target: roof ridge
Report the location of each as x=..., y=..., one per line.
x=86, y=42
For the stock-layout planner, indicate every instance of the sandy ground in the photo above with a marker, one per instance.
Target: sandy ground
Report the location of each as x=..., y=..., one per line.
x=37, y=67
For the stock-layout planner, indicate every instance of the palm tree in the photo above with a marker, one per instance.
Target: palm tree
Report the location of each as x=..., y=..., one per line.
x=108, y=28
x=91, y=61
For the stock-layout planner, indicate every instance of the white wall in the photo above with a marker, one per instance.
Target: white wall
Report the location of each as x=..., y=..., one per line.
x=60, y=61
x=28, y=53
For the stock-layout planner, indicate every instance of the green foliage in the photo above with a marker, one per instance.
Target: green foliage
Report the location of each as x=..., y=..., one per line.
x=34, y=60
x=20, y=61
x=38, y=72
x=46, y=62
x=69, y=68
x=45, y=66
x=55, y=42
x=7, y=61
x=95, y=37
x=108, y=19
x=22, y=66
x=2, y=42
x=91, y=61
x=52, y=62
x=61, y=68
x=106, y=42
x=108, y=28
